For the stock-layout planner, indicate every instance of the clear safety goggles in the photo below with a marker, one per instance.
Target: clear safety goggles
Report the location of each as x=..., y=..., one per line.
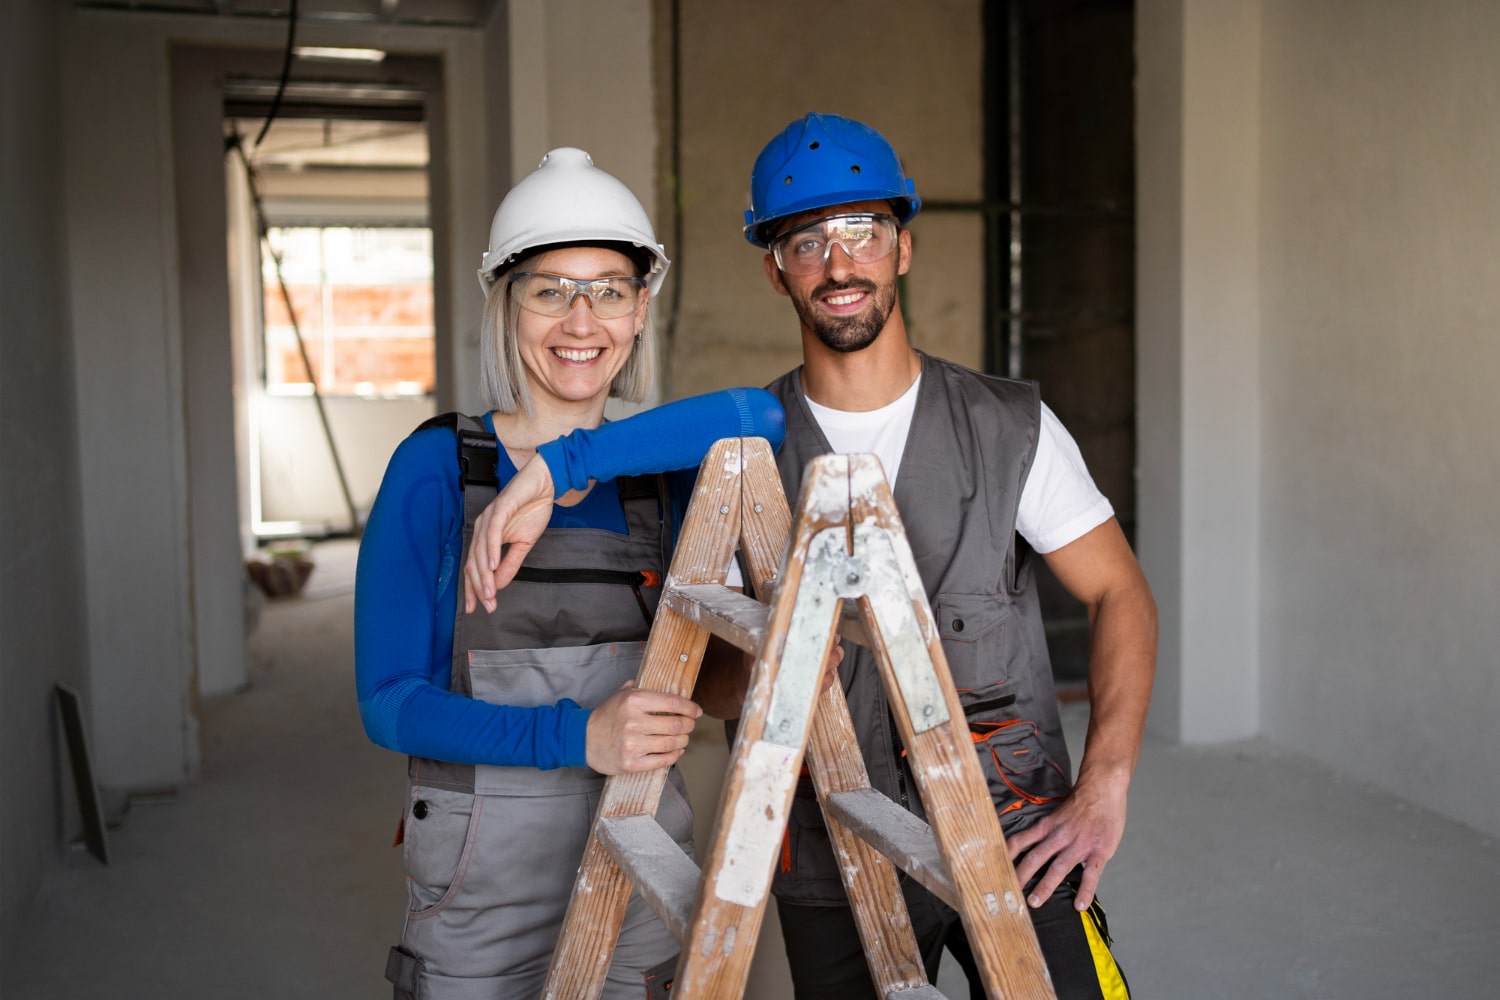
x=865, y=238
x=554, y=294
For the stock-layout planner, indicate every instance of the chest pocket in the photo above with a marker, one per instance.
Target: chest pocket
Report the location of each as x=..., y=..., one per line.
x=529, y=678
x=979, y=640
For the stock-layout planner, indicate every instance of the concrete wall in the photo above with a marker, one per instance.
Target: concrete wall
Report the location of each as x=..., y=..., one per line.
x=1380, y=313
x=295, y=465
x=1198, y=127
x=216, y=622
x=581, y=75
x=1318, y=307
x=130, y=358
x=745, y=75
x=42, y=601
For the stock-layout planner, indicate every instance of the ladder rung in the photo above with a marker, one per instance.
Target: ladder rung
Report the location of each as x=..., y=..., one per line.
x=741, y=620
x=897, y=834
x=923, y=992
x=666, y=877
x=735, y=618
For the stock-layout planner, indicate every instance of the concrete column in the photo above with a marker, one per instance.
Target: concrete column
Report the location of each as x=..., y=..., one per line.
x=1198, y=332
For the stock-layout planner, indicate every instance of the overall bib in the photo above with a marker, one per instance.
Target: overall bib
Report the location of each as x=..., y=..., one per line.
x=491, y=852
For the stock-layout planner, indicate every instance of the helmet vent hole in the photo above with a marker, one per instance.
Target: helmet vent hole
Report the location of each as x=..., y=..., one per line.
x=854, y=168
x=787, y=179
x=812, y=145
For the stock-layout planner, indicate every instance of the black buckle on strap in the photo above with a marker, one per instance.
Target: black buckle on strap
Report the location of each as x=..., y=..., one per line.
x=478, y=457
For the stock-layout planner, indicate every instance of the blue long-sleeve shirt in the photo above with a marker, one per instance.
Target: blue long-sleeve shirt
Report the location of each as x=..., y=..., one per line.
x=409, y=575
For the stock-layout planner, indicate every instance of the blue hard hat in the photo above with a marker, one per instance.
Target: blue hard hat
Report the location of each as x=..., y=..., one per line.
x=821, y=160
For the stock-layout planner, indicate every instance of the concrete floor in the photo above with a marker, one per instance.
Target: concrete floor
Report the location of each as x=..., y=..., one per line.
x=1246, y=872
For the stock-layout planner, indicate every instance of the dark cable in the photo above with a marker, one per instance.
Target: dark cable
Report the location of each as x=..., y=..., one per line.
x=286, y=72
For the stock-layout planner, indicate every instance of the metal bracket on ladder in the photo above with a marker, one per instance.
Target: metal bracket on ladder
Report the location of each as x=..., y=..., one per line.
x=848, y=546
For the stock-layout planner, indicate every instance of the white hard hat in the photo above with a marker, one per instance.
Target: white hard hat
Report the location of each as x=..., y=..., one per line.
x=569, y=200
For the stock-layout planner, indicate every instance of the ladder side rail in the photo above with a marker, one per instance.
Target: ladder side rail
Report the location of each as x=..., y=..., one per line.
x=960, y=811
x=767, y=752
x=880, y=913
x=674, y=652
x=835, y=760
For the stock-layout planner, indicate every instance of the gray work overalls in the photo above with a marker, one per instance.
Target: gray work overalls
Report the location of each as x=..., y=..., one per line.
x=491, y=852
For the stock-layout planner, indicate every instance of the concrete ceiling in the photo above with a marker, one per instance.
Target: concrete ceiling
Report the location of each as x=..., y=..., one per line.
x=441, y=12
x=301, y=144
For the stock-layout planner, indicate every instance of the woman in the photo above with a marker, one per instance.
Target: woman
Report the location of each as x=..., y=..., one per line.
x=513, y=708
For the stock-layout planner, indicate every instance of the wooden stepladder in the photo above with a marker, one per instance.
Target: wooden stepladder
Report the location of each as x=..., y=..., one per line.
x=848, y=545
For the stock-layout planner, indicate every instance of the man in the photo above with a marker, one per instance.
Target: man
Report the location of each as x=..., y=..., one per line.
x=984, y=476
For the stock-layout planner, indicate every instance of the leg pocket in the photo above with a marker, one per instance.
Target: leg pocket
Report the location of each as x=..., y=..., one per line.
x=403, y=971
x=807, y=871
x=1017, y=769
x=659, y=979
x=441, y=828
x=435, y=987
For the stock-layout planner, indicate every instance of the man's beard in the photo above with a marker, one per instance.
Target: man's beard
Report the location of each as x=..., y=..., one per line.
x=853, y=333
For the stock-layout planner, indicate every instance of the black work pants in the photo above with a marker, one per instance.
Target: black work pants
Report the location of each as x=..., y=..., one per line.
x=828, y=961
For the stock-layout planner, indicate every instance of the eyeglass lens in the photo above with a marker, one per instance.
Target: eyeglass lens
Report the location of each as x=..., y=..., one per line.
x=554, y=294
x=805, y=250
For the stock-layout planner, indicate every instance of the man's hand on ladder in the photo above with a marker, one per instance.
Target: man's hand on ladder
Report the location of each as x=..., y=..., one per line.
x=639, y=730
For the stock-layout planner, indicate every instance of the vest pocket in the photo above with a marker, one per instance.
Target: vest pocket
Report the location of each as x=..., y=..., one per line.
x=976, y=634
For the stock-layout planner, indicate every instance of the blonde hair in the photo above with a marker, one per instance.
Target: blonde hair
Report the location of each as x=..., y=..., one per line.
x=503, y=374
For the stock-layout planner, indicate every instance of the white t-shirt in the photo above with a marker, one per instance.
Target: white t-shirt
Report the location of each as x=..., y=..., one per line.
x=1059, y=501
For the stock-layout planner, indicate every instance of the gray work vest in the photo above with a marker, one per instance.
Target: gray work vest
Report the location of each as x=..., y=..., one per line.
x=967, y=455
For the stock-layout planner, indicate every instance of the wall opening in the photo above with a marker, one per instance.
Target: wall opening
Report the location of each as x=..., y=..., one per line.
x=335, y=332
x=1060, y=244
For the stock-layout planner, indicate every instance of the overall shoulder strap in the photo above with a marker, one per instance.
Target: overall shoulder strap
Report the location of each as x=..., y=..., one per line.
x=478, y=449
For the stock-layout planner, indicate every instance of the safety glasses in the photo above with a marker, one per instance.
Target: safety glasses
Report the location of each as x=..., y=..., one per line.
x=554, y=294
x=805, y=250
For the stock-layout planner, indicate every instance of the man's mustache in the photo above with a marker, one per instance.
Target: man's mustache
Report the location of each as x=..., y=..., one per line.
x=833, y=288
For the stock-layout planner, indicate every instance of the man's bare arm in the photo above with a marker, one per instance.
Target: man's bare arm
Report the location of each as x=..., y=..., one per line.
x=1101, y=571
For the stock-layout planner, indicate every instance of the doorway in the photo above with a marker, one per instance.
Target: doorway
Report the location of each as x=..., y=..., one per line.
x=1060, y=246
x=332, y=294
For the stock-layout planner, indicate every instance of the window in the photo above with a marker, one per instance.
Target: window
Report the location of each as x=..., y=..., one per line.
x=363, y=301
